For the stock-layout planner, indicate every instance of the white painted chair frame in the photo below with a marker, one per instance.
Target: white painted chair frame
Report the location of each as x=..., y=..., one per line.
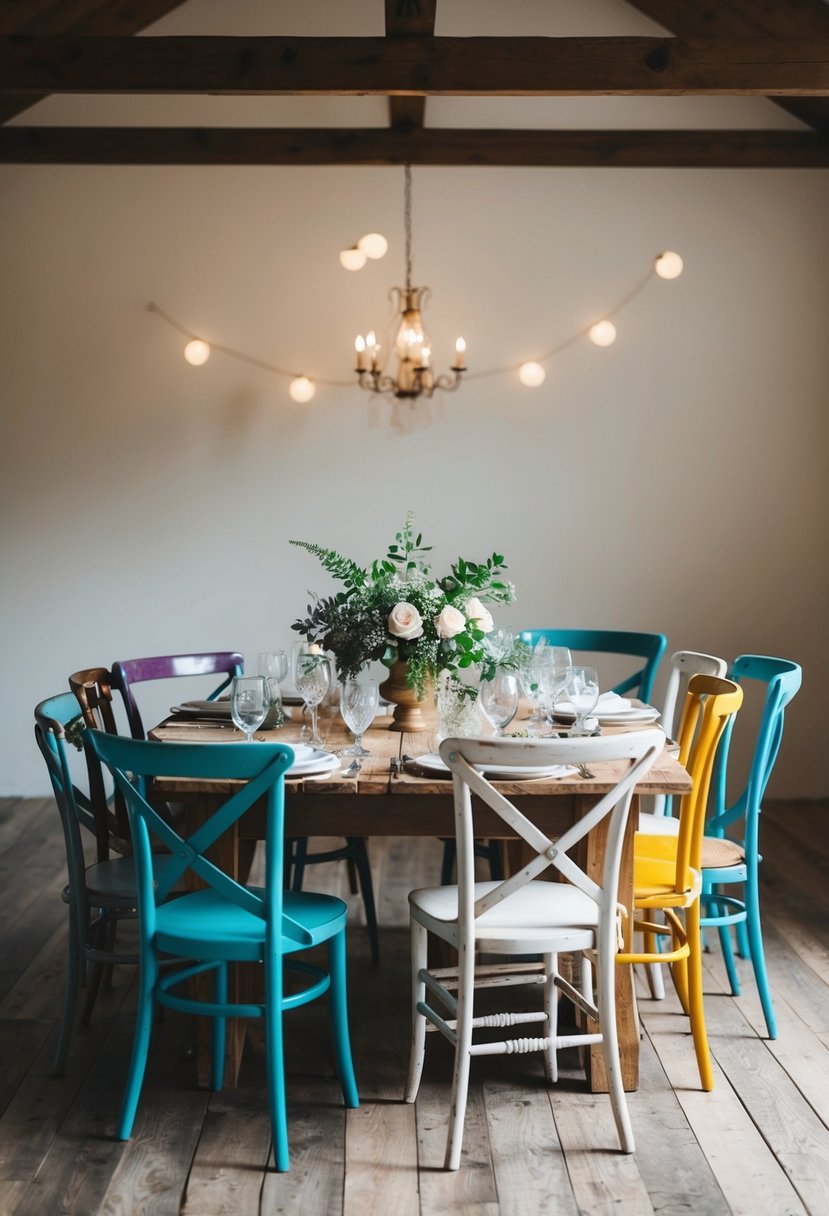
x=684, y=664
x=546, y=918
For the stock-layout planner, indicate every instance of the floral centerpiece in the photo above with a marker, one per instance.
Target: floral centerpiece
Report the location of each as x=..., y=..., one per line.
x=394, y=609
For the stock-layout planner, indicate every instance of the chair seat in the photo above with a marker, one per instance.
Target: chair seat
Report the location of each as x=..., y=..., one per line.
x=540, y=917
x=719, y=853
x=206, y=925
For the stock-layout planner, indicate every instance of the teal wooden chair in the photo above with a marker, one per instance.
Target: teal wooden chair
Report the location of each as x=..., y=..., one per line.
x=647, y=646
x=731, y=849
x=224, y=922
x=97, y=895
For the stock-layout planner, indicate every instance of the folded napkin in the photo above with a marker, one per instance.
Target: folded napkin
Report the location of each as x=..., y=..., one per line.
x=608, y=703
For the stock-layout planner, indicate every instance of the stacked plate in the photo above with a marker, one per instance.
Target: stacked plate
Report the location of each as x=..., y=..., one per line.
x=202, y=709
x=311, y=761
x=432, y=763
x=612, y=710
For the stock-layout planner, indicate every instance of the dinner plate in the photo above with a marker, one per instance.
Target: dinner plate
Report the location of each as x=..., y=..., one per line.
x=506, y=772
x=317, y=762
x=203, y=709
x=643, y=714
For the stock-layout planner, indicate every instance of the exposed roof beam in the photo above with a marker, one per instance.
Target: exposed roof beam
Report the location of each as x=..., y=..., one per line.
x=99, y=17
x=749, y=18
x=432, y=146
x=409, y=19
x=441, y=66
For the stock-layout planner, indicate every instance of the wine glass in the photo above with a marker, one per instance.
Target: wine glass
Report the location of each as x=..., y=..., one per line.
x=553, y=670
x=499, y=643
x=359, y=700
x=300, y=648
x=249, y=703
x=313, y=679
x=273, y=665
x=582, y=690
x=531, y=674
x=499, y=699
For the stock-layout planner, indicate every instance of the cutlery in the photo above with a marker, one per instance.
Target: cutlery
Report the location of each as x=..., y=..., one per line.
x=585, y=772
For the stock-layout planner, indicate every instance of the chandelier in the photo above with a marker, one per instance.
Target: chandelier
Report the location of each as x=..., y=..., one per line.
x=415, y=376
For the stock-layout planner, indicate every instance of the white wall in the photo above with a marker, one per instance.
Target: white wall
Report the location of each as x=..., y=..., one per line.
x=675, y=481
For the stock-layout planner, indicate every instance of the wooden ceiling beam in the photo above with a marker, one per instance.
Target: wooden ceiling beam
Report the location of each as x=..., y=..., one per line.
x=432, y=146
x=748, y=19
x=419, y=67
x=409, y=19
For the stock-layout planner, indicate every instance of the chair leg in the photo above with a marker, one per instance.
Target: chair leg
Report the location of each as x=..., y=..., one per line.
x=70, y=996
x=743, y=941
x=359, y=858
x=653, y=971
x=339, y=1017
x=695, y=1001
x=419, y=948
x=551, y=1009
x=724, y=933
x=448, y=864
x=275, y=1063
x=758, y=956
x=300, y=851
x=606, y=1004
x=147, y=978
x=219, y=1041
x=460, y=1078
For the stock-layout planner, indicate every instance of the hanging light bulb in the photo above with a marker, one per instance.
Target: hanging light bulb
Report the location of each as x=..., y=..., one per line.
x=668, y=265
x=352, y=258
x=373, y=245
x=302, y=389
x=531, y=374
x=460, y=354
x=197, y=352
x=603, y=333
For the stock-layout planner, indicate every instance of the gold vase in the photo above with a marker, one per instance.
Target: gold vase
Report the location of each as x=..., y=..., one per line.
x=408, y=707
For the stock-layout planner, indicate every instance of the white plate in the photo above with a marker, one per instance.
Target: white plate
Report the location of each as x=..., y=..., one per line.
x=645, y=714
x=514, y=772
x=203, y=709
x=317, y=762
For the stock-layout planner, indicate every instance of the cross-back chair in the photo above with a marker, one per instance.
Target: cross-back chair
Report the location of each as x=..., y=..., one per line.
x=126, y=673
x=224, y=922
x=92, y=688
x=97, y=895
x=522, y=916
x=667, y=873
x=647, y=646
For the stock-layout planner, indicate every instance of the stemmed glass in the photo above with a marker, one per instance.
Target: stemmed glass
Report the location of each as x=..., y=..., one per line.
x=273, y=665
x=553, y=671
x=499, y=699
x=297, y=650
x=313, y=679
x=249, y=703
x=582, y=690
x=359, y=700
x=499, y=643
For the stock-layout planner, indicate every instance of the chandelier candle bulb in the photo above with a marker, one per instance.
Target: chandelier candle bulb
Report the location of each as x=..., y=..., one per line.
x=460, y=353
x=360, y=349
x=196, y=352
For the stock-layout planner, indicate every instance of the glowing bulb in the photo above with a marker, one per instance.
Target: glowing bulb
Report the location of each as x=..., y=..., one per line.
x=360, y=348
x=668, y=265
x=531, y=374
x=460, y=352
x=603, y=333
x=373, y=245
x=302, y=389
x=425, y=356
x=197, y=352
x=371, y=339
x=352, y=259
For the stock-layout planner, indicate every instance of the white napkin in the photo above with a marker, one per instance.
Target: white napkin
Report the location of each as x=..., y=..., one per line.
x=608, y=703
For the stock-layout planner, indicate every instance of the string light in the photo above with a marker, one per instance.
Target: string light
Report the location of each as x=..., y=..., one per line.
x=374, y=245
x=531, y=373
x=352, y=258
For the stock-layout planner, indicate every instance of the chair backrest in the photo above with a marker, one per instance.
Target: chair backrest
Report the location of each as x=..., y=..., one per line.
x=782, y=679
x=684, y=664
x=647, y=646
x=127, y=672
x=58, y=725
x=710, y=704
x=134, y=762
x=92, y=687
x=639, y=748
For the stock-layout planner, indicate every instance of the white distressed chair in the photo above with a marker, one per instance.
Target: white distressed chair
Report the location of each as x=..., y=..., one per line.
x=684, y=664
x=522, y=916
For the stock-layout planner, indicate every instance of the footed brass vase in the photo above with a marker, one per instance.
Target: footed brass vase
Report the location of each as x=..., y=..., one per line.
x=410, y=713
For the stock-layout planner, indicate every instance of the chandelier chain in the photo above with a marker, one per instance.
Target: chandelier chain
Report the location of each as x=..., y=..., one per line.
x=407, y=222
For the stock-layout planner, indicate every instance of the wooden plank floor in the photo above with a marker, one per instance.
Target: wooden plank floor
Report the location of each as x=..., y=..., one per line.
x=758, y=1144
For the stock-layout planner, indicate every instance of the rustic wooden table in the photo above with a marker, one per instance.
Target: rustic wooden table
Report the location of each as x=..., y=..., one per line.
x=380, y=801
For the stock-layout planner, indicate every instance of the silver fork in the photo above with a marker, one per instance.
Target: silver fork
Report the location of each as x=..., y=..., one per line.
x=585, y=772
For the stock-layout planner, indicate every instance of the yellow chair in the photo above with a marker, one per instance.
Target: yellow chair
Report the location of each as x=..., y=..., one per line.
x=667, y=875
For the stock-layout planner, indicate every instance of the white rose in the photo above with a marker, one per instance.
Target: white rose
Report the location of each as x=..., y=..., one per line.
x=476, y=612
x=449, y=622
x=405, y=621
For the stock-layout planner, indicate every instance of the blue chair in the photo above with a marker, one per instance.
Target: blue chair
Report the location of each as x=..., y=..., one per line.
x=647, y=646
x=224, y=922
x=97, y=895
x=730, y=852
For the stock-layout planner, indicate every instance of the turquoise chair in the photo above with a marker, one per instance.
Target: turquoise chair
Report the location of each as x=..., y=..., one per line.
x=730, y=852
x=224, y=922
x=647, y=646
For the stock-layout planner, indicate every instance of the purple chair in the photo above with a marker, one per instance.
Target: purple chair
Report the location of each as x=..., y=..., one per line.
x=168, y=666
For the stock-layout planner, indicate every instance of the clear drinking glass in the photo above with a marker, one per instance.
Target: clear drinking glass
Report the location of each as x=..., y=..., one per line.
x=582, y=690
x=359, y=700
x=249, y=703
x=499, y=644
x=313, y=679
x=531, y=674
x=273, y=665
x=553, y=667
x=499, y=699
x=297, y=649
